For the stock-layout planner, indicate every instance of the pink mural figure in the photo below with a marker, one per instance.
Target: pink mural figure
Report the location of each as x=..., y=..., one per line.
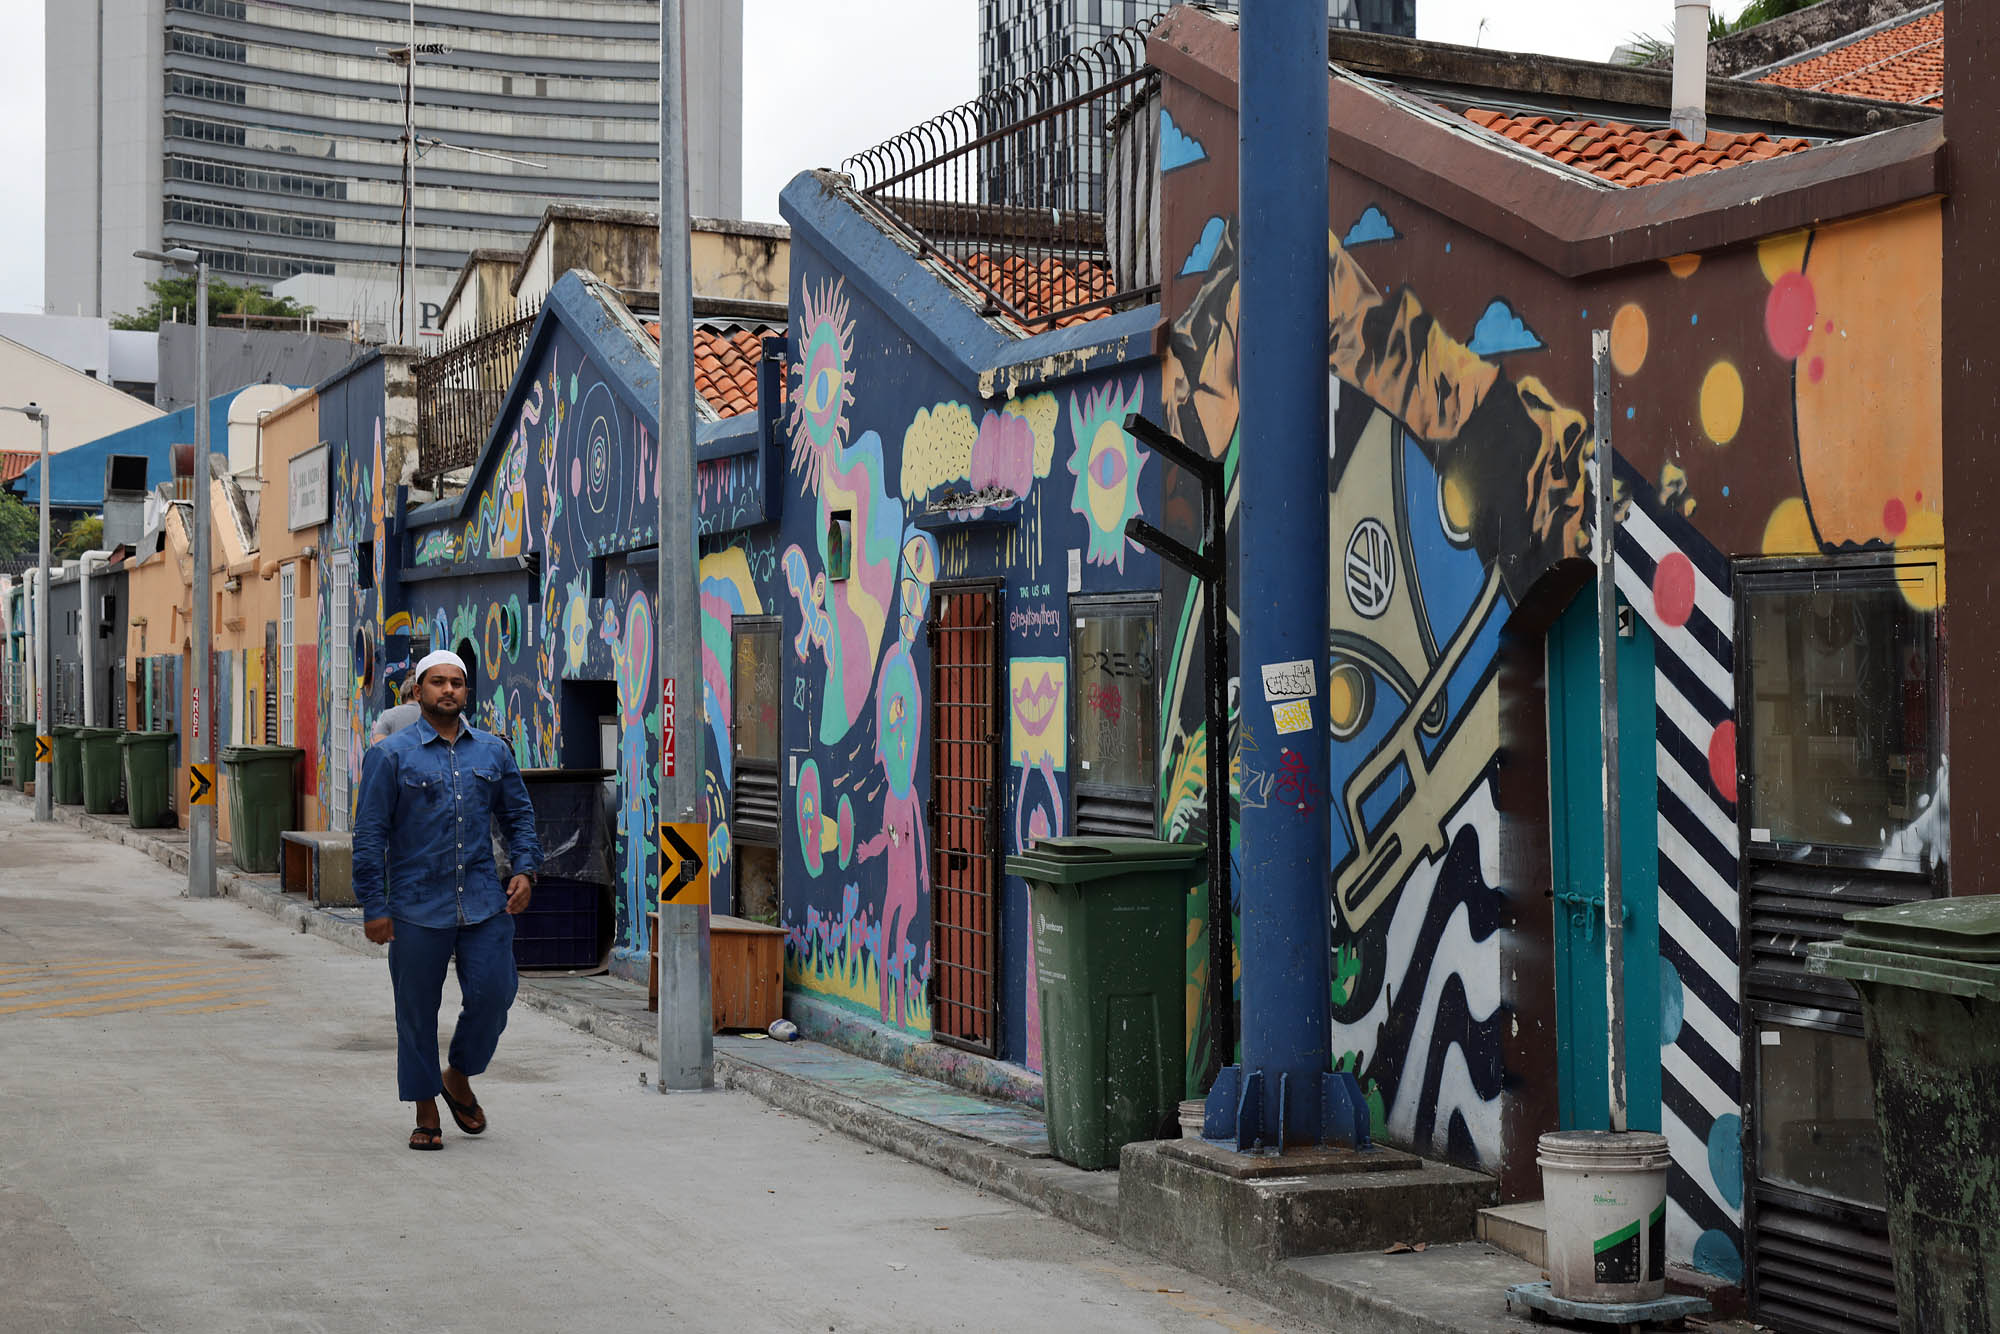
x=898, y=733
x=632, y=663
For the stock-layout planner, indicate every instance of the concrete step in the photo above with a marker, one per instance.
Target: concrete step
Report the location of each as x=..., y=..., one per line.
x=1518, y=1229
x=1176, y=1205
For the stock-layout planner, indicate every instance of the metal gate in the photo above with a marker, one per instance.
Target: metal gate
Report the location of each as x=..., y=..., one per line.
x=964, y=815
x=339, y=592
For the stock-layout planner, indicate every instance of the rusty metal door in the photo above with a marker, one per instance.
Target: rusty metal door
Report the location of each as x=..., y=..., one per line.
x=965, y=815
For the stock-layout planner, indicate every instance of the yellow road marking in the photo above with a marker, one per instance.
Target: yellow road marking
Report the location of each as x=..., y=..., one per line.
x=105, y=980
x=22, y=972
x=135, y=992
x=235, y=1005
x=159, y=1001
x=91, y=965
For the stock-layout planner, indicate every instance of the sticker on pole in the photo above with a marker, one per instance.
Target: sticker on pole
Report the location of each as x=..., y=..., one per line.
x=683, y=864
x=1290, y=680
x=45, y=749
x=667, y=728
x=201, y=785
x=1294, y=715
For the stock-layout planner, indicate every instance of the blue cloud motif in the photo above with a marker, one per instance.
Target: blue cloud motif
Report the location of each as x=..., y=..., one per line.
x=1501, y=330
x=1372, y=225
x=1204, y=250
x=1178, y=148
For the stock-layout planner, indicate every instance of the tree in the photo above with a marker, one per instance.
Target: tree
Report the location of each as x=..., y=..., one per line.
x=175, y=294
x=20, y=528
x=86, y=534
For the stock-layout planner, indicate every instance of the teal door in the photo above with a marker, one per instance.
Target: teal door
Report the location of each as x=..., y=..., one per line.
x=1576, y=823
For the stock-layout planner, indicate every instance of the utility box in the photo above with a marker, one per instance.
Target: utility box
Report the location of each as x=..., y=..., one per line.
x=124, y=500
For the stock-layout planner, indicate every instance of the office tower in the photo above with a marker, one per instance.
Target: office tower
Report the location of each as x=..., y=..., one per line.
x=270, y=136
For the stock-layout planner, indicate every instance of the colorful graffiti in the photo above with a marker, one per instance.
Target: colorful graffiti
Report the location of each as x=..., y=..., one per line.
x=1107, y=463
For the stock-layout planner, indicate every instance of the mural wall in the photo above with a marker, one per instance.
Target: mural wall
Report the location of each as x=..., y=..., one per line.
x=542, y=576
x=1770, y=399
x=900, y=481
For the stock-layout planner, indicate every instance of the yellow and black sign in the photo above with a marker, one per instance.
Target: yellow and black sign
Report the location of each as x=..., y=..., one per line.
x=683, y=864
x=45, y=750
x=201, y=785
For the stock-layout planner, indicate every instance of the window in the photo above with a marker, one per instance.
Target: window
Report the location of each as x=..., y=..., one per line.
x=1843, y=748
x=1816, y=1114
x=207, y=47
x=209, y=90
x=755, y=708
x=1114, y=715
x=754, y=695
x=288, y=588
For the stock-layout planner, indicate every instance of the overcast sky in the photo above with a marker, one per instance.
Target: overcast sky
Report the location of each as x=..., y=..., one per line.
x=821, y=79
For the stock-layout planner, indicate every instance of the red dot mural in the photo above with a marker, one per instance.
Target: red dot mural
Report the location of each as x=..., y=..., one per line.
x=1722, y=759
x=1673, y=589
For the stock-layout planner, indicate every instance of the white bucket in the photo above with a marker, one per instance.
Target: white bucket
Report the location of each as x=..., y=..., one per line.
x=1606, y=1200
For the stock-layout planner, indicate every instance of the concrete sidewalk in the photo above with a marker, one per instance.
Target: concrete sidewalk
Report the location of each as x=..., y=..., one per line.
x=997, y=1146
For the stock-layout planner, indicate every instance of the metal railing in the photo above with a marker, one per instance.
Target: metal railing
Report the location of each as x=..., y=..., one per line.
x=460, y=389
x=1042, y=194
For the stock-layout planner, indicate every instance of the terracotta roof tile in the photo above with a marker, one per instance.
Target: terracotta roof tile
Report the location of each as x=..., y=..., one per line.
x=1624, y=155
x=1903, y=63
x=725, y=365
x=1037, y=287
x=14, y=462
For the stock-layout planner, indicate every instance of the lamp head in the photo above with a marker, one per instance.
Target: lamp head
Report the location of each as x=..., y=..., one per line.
x=180, y=257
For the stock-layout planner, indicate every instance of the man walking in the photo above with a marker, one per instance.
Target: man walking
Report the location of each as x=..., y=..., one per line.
x=425, y=879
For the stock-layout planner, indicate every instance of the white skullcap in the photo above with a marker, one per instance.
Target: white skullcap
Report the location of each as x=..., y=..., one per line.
x=443, y=657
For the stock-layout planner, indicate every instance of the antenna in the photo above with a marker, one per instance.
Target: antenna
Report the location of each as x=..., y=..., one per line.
x=414, y=148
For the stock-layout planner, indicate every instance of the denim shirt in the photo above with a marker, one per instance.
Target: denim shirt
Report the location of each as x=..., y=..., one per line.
x=423, y=847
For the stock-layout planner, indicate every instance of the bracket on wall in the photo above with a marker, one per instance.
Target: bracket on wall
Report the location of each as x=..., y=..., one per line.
x=1210, y=568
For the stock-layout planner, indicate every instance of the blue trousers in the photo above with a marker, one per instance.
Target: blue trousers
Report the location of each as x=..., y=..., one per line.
x=486, y=981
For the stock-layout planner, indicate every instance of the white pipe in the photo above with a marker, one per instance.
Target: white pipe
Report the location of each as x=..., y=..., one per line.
x=86, y=634
x=1691, y=68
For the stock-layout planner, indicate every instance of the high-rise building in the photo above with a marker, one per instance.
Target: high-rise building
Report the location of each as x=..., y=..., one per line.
x=269, y=135
x=1018, y=37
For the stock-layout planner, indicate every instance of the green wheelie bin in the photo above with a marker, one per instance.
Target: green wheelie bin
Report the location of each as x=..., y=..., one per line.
x=103, y=775
x=262, y=803
x=1929, y=978
x=24, y=755
x=148, y=778
x=67, y=771
x=1110, y=939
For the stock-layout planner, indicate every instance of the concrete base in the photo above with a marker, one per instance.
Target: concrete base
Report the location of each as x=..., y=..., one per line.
x=1177, y=1206
x=1217, y=1156
x=1624, y=1316
x=1518, y=1229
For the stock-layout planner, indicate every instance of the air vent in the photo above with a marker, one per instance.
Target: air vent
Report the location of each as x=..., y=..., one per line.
x=1814, y=1275
x=753, y=806
x=1105, y=813
x=1788, y=910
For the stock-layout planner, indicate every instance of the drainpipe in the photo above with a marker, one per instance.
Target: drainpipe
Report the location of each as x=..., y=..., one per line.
x=1691, y=68
x=1284, y=1092
x=86, y=631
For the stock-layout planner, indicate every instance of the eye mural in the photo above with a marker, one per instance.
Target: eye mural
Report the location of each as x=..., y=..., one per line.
x=825, y=385
x=1106, y=463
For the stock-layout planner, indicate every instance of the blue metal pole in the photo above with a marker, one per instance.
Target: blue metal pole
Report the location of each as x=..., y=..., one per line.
x=1283, y=1092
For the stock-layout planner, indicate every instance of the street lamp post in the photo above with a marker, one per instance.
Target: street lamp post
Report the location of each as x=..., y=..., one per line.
x=44, y=664
x=200, y=746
